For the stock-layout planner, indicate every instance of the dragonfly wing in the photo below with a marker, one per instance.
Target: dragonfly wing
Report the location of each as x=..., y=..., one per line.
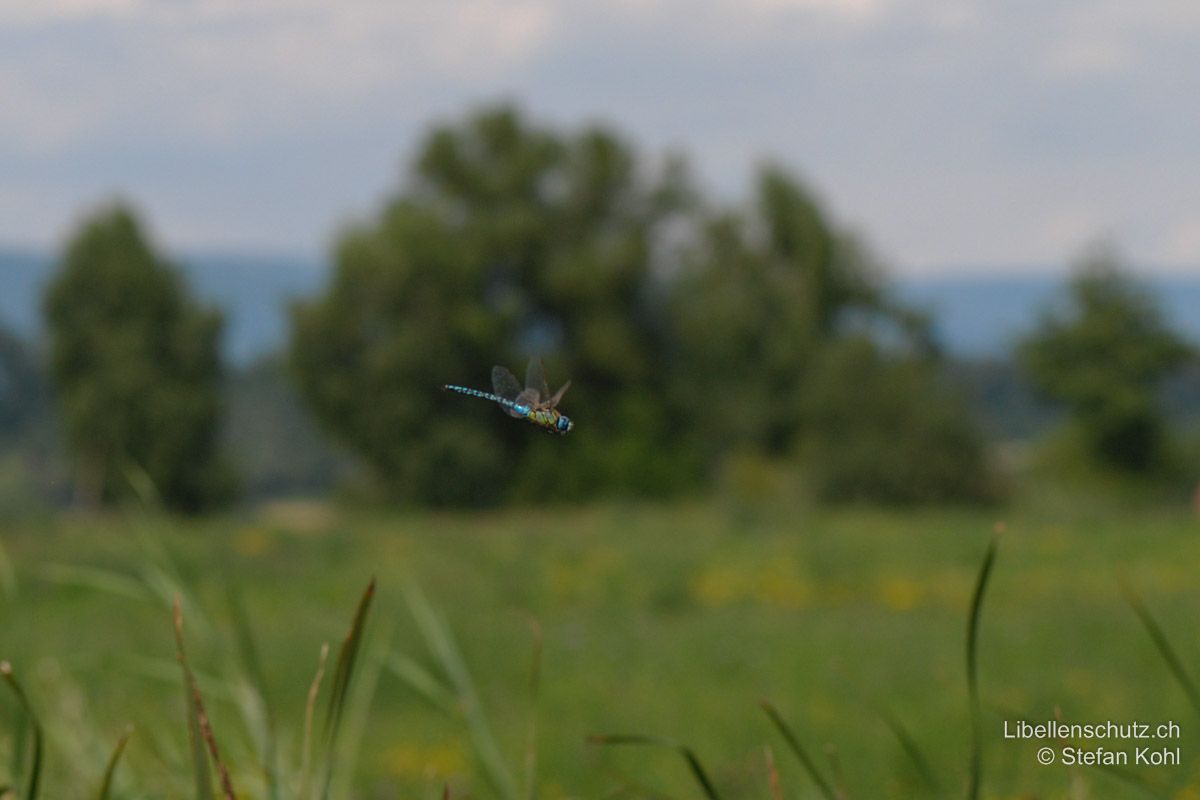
x=535, y=380
x=553, y=401
x=505, y=384
x=530, y=398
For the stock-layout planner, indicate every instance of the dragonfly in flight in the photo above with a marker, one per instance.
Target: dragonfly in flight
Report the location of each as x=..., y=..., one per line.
x=534, y=403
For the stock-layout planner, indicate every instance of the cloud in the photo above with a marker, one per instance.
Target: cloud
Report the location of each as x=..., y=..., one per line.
x=852, y=11
x=220, y=70
x=52, y=12
x=948, y=130
x=37, y=123
x=1088, y=58
x=1183, y=243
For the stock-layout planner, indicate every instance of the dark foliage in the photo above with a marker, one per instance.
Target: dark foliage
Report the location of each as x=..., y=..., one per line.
x=136, y=365
x=688, y=333
x=1104, y=356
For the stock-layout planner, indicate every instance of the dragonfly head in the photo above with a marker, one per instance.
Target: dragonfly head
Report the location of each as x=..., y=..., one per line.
x=564, y=424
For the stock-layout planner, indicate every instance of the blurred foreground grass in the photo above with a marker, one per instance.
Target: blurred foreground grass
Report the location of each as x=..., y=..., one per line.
x=664, y=620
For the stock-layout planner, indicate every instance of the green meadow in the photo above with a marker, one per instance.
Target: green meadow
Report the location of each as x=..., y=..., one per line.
x=666, y=620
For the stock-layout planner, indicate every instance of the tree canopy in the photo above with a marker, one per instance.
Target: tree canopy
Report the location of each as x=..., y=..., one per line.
x=687, y=331
x=507, y=240
x=1102, y=355
x=136, y=365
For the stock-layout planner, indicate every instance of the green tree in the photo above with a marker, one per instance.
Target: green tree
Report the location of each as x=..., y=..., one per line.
x=886, y=427
x=22, y=389
x=507, y=239
x=790, y=346
x=1103, y=356
x=753, y=304
x=686, y=333
x=136, y=365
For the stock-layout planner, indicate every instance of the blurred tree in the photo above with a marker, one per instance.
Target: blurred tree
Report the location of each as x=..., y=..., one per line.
x=745, y=334
x=836, y=274
x=758, y=298
x=22, y=388
x=509, y=240
x=686, y=334
x=274, y=443
x=1103, y=356
x=886, y=427
x=790, y=344
x=135, y=361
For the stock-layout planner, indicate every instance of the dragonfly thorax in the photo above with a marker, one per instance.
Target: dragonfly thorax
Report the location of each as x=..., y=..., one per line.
x=550, y=420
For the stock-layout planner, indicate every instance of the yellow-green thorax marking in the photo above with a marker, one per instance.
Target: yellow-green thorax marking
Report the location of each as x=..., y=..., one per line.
x=550, y=419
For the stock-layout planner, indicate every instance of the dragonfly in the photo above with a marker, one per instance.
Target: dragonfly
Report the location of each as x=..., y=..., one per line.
x=534, y=403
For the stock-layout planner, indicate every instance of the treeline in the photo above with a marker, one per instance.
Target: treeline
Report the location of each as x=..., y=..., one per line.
x=698, y=337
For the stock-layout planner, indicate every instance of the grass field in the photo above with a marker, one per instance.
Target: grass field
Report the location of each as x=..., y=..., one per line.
x=674, y=621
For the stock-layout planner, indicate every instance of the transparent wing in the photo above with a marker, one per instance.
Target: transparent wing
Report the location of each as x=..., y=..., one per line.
x=553, y=401
x=505, y=384
x=535, y=380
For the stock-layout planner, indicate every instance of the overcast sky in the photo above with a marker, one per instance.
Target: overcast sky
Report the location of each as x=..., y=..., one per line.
x=953, y=135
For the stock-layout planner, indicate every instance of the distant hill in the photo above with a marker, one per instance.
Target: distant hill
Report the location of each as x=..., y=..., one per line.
x=975, y=316
x=279, y=451
x=981, y=316
x=254, y=292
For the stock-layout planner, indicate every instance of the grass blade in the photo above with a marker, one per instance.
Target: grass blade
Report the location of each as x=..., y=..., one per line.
x=976, y=764
x=101, y=580
x=440, y=641
x=686, y=752
x=143, y=486
x=248, y=655
x=773, y=774
x=798, y=750
x=35, y=767
x=199, y=726
x=911, y=749
x=339, y=688
x=309, y=713
x=835, y=767
x=358, y=710
x=1163, y=644
x=8, y=576
x=111, y=768
x=18, y=755
x=163, y=670
x=344, y=668
x=163, y=576
x=422, y=681
x=200, y=771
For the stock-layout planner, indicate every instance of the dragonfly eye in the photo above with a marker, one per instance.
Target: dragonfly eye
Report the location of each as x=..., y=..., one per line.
x=564, y=424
